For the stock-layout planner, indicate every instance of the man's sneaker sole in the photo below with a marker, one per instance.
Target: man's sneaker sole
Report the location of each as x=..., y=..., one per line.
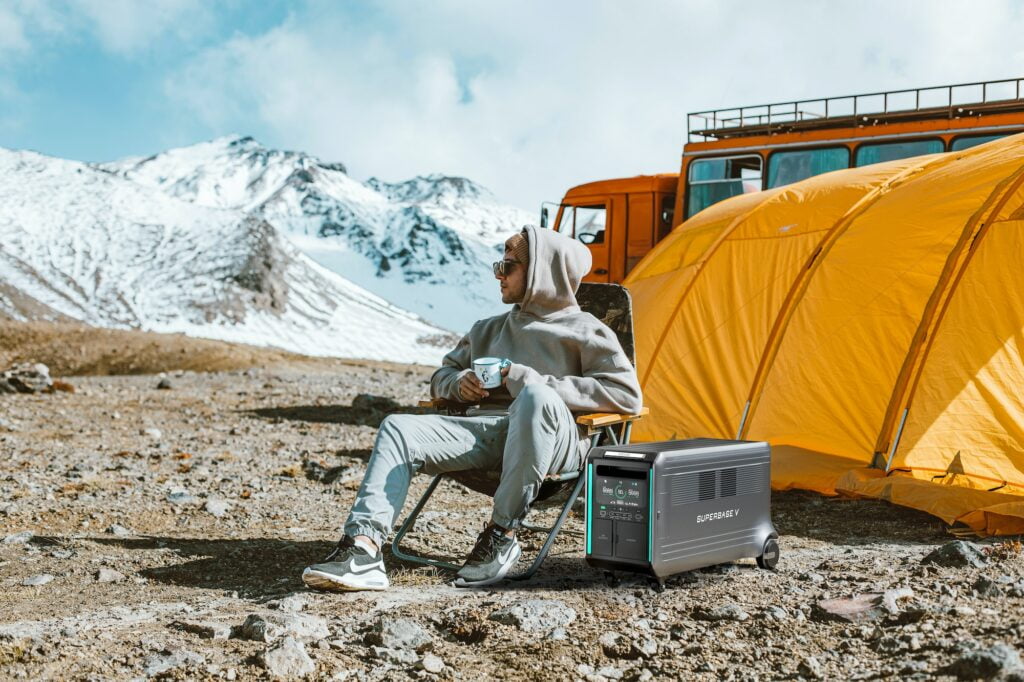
x=461, y=582
x=319, y=580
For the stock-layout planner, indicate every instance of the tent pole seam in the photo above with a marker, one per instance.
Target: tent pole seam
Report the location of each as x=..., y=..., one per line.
x=957, y=263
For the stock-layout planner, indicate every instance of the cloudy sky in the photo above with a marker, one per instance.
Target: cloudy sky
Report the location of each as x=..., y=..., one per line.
x=526, y=97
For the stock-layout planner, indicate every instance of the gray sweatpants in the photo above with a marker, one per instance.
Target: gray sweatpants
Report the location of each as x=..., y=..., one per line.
x=537, y=437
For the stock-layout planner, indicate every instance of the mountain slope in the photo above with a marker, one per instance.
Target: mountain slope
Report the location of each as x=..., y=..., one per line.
x=83, y=243
x=425, y=244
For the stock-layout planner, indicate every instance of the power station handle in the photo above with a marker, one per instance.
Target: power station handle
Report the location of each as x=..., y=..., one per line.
x=600, y=271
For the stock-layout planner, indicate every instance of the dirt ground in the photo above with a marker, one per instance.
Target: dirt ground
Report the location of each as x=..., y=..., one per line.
x=142, y=526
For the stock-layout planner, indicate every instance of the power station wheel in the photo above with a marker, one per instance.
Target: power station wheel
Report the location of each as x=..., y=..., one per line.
x=769, y=555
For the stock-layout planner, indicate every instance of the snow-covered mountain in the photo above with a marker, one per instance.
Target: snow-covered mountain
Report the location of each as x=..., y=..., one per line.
x=88, y=243
x=425, y=244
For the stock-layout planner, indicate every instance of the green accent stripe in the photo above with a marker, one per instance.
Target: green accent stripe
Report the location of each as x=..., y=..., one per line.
x=651, y=510
x=590, y=488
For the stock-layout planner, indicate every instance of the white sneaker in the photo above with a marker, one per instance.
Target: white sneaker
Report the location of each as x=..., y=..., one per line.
x=348, y=568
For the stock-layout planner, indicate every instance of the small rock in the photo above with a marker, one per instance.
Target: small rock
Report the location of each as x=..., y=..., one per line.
x=401, y=656
x=861, y=607
x=957, y=554
x=119, y=530
x=109, y=575
x=813, y=577
x=986, y=588
x=205, y=629
x=399, y=633
x=728, y=612
x=157, y=664
x=37, y=580
x=985, y=663
x=180, y=498
x=21, y=538
x=287, y=658
x=432, y=664
x=273, y=626
x=217, y=508
x=164, y=384
x=615, y=645
x=810, y=668
x=6, y=425
x=776, y=613
x=25, y=378
x=293, y=602
x=535, y=615
x=153, y=433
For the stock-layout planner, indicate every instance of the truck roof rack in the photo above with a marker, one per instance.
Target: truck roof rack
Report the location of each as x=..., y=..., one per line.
x=918, y=104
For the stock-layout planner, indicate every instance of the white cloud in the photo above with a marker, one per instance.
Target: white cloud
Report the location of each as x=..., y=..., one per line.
x=128, y=26
x=530, y=98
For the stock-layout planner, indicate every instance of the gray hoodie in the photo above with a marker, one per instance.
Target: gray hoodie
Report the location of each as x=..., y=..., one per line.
x=548, y=338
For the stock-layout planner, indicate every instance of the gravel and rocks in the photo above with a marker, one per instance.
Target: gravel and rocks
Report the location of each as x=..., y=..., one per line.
x=84, y=491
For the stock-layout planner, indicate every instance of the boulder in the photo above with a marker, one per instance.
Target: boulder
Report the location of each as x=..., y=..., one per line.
x=957, y=554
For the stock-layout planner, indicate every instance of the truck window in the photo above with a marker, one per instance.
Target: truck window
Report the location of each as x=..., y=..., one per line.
x=968, y=141
x=788, y=167
x=890, y=151
x=668, y=208
x=585, y=223
x=712, y=180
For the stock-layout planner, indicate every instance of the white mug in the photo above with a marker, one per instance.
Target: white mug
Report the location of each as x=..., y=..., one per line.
x=488, y=371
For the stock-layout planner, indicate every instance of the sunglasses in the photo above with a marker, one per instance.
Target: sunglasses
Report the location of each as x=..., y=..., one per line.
x=503, y=267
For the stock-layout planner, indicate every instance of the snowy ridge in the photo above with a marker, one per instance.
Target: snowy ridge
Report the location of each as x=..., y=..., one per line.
x=425, y=244
x=86, y=243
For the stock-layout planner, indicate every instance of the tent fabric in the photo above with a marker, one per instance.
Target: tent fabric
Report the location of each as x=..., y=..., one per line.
x=823, y=316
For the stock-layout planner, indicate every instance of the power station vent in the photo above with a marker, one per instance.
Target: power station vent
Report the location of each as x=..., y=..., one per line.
x=749, y=480
x=710, y=485
x=727, y=483
x=706, y=490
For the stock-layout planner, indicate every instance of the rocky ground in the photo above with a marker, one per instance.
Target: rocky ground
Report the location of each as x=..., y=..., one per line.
x=161, y=532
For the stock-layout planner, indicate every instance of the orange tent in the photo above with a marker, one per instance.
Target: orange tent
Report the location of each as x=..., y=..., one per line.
x=869, y=323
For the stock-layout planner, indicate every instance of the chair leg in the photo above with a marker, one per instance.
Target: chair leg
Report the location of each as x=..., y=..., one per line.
x=396, y=549
x=552, y=535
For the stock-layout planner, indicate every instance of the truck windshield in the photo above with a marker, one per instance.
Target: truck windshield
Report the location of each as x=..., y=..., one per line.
x=585, y=223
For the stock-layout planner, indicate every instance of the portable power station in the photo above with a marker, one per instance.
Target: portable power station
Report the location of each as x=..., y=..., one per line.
x=664, y=508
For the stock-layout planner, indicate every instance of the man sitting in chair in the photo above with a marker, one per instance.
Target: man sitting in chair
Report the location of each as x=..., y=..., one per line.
x=562, y=360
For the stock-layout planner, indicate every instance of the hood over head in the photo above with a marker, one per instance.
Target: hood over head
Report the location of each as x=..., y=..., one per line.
x=557, y=265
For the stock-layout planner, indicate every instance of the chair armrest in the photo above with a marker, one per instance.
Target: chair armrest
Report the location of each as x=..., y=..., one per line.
x=599, y=419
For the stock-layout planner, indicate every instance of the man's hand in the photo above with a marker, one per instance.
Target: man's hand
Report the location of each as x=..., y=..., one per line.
x=504, y=375
x=470, y=389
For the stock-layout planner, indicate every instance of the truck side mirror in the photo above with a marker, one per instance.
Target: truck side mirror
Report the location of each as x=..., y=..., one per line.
x=544, y=216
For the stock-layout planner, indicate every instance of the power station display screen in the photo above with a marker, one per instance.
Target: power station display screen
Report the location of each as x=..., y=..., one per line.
x=621, y=493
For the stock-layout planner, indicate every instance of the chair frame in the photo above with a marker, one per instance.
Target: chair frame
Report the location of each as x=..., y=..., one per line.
x=598, y=425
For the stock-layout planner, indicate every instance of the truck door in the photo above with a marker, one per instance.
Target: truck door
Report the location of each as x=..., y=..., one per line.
x=587, y=221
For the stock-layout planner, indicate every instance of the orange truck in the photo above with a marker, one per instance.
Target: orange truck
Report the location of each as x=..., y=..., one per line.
x=735, y=151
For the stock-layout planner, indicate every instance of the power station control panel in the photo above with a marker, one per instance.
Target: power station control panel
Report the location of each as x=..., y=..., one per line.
x=619, y=512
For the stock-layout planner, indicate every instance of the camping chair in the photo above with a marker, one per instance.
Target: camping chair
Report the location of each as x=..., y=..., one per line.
x=611, y=304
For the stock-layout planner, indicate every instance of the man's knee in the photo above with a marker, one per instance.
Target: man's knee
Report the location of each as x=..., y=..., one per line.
x=390, y=434
x=536, y=398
